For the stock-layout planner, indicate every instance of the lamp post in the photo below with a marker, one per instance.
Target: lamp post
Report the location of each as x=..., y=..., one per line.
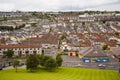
x=118, y=57
x=119, y=65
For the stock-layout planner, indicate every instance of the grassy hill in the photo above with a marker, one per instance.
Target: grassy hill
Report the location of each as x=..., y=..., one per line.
x=60, y=74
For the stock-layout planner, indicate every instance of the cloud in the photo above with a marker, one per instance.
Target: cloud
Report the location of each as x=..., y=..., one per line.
x=108, y=7
x=56, y=5
x=7, y=6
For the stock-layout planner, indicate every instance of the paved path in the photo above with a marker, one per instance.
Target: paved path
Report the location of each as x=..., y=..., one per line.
x=11, y=67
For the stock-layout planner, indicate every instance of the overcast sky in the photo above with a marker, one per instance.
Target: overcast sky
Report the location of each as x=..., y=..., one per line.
x=59, y=5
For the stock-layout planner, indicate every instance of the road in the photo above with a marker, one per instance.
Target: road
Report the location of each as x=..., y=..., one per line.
x=11, y=67
x=76, y=62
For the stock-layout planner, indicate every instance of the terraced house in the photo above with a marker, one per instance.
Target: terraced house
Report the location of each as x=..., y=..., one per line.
x=20, y=50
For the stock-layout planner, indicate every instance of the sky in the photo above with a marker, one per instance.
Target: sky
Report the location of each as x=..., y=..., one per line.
x=59, y=5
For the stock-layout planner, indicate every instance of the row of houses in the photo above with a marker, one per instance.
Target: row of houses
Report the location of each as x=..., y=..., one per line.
x=13, y=14
x=26, y=50
x=20, y=50
x=87, y=17
x=86, y=54
x=48, y=44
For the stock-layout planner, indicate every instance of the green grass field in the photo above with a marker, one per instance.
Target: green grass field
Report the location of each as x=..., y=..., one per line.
x=60, y=74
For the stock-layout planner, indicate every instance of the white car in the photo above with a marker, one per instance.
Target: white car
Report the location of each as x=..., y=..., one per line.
x=102, y=66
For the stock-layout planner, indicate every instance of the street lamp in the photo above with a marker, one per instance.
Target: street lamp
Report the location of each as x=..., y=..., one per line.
x=119, y=65
x=118, y=57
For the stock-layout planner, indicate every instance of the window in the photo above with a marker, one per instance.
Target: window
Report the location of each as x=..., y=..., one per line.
x=34, y=52
x=15, y=49
x=26, y=51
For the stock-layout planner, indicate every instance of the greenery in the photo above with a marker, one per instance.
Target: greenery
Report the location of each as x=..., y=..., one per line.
x=50, y=29
x=43, y=60
x=40, y=59
x=41, y=16
x=32, y=62
x=34, y=24
x=10, y=28
x=47, y=62
x=103, y=21
x=59, y=60
x=105, y=47
x=21, y=26
x=25, y=18
x=34, y=13
x=9, y=53
x=116, y=33
x=75, y=28
x=50, y=64
x=5, y=19
x=63, y=37
x=60, y=74
x=83, y=23
x=16, y=64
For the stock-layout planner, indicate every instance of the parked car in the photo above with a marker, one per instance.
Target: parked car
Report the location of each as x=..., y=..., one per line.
x=102, y=66
x=21, y=62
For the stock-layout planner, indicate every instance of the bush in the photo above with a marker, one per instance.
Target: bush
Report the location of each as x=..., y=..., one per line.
x=59, y=60
x=50, y=64
x=32, y=62
x=105, y=47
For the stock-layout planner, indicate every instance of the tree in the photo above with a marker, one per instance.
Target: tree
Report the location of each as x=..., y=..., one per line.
x=32, y=62
x=34, y=24
x=44, y=59
x=34, y=13
x=75, y=28
x=103, y=21
x=59, y=60
x=5, y=19
x=116, y=33
x=16, y=64
x=9, y=53
x=47, y=62
x=50, y=29
x=40, y=59
x=9, y=28
x=62, y=37
x=83, y=23
x=50, y=64
x=104, y=47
